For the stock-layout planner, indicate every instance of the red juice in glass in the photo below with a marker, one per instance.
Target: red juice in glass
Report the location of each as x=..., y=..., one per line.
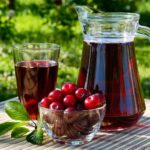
x=36, y=67
x=35, y=79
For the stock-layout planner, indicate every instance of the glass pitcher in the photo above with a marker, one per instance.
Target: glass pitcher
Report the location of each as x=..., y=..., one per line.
x=108, y=64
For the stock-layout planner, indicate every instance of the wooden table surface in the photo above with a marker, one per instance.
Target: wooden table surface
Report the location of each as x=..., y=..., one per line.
x=135, y=138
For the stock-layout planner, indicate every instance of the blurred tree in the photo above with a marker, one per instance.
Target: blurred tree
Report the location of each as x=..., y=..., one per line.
x=60, y=18
x=11, y=4
x=7, y=29
x=58, y=2
x=111, y=5
x=119, y=5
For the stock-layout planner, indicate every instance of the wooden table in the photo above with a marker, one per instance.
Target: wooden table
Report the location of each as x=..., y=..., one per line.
x=135, y=138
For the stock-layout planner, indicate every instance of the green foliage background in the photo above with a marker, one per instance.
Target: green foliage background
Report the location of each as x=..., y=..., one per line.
x=56, y=21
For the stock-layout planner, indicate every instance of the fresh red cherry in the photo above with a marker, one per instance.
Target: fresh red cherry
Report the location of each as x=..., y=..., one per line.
x=70, y=114
x=55, y=95
x=69, y=100
x=45, y=102
x=69, y=109
x=94, y=101
x=68, y=88
x=56, y=106
x=81, y=94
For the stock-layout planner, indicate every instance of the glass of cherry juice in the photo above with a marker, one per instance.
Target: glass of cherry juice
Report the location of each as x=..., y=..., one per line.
x=36, y=66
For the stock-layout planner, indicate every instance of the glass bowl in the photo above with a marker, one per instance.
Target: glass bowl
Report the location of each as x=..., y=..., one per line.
x=74, y=127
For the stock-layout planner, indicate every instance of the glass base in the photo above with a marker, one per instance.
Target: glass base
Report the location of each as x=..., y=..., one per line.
x=120, y=123
x=75, y=142
x=83, y=139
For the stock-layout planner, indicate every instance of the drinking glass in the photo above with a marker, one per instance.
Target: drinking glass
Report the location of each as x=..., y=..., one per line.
x=36, y=66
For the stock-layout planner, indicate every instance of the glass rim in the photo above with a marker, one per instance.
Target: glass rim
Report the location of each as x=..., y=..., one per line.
x=75, y=111
x=111, y=16
x=36, y=46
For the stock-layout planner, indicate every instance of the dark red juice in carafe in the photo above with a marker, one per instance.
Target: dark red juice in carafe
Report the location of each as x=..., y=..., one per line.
x=111, y=68
x=35, y=79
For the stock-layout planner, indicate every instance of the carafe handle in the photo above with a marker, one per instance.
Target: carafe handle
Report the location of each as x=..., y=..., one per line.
x=143, y=31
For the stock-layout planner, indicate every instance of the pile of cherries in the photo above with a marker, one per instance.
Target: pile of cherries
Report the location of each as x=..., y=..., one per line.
x=71, y=98
x=72, y=122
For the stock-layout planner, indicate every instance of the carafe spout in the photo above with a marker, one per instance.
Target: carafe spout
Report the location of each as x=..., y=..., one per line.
x=85, y=11
x=82, y=11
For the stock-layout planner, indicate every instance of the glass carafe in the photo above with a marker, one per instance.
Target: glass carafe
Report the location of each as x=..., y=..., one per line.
x=108, y=64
